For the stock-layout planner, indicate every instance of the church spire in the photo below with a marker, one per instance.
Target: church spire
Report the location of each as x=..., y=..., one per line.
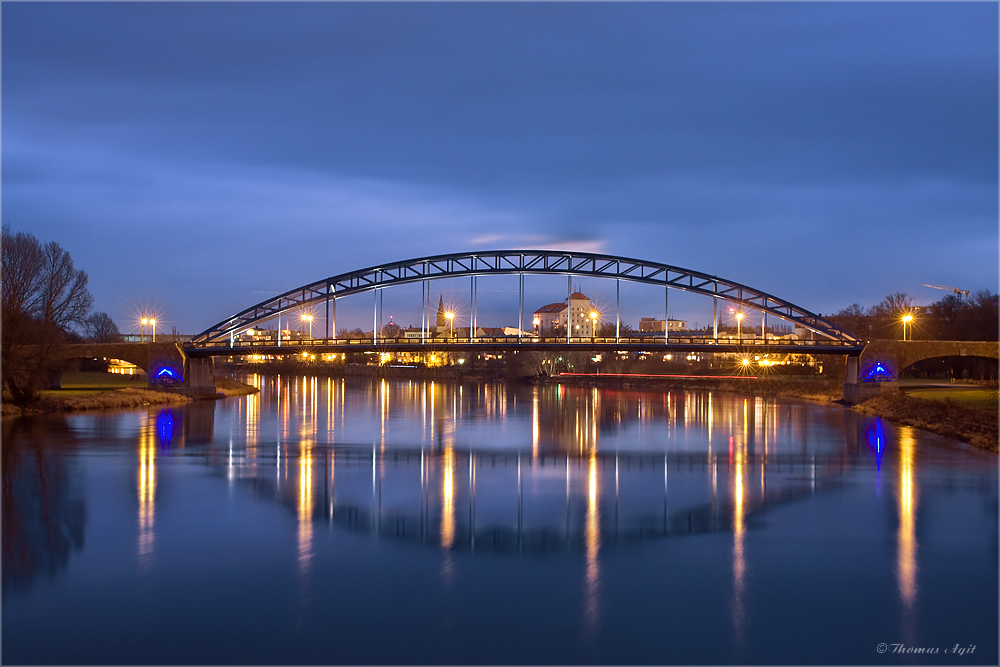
x=442, y=321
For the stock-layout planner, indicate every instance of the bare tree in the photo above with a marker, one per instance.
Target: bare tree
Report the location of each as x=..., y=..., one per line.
x=896, y=303
x=64, y=298
x=100, y=328
x=43, y=295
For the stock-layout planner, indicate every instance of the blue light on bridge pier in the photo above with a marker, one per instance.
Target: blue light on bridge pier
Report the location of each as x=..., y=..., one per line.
x=878, y=373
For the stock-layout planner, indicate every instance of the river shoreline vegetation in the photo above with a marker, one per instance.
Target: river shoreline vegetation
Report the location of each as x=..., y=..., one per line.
x=88, y=391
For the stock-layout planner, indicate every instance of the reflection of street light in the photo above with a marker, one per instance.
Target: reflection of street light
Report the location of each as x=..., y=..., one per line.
x=309, y=319
x=739, y=324
x=451, y=323
x=906, y=320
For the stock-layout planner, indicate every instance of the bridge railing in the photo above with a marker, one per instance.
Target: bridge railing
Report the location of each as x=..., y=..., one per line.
x=514, y=341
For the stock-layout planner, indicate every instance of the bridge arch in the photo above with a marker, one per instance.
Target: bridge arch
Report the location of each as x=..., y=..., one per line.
x=520, y=262
x=896, y=355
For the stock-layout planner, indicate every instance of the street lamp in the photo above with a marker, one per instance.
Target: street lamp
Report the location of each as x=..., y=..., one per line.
x=907, y=319
x=142, y=330
x=739, y=325
x=309, y=319
x=451, y=323
x=152, y=323
x=593, y=323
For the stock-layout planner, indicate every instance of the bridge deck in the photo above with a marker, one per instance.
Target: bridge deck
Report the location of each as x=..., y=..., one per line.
x=527, y=344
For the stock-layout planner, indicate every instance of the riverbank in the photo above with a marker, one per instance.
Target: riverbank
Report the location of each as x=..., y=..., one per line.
x=107, y=398
x=809, y=389
x=976, y=425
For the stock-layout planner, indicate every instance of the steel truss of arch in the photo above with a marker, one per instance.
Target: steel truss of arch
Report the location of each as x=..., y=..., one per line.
x=521, y=262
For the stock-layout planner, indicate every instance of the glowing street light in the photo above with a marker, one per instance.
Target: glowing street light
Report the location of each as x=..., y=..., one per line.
x=739, y=325
x=451, y=323
x=907, y=319
x=147, y=321
x=593, y=323
x=308, y=318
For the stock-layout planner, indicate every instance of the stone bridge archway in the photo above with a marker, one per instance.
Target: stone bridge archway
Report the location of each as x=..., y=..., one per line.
x=881, y=361
x=150, y=357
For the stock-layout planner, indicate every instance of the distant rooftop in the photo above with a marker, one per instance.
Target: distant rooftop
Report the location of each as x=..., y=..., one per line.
x=552, y=308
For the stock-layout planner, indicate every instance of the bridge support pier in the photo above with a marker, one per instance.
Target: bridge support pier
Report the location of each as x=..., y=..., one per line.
x=199, y=374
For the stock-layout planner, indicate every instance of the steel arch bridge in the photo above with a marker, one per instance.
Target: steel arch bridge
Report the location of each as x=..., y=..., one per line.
x=221, y=337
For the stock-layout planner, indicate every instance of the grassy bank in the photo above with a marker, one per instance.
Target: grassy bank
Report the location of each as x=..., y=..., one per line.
x=962, y=420
x=968, y=415
x=811, y=389
x=75, y=400
x=229, y=387
x=104, y=391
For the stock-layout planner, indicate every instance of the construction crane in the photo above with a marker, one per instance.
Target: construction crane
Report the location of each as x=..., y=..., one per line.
x=963, y=292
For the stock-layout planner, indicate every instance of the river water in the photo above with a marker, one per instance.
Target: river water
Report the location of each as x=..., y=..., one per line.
x=333, y=521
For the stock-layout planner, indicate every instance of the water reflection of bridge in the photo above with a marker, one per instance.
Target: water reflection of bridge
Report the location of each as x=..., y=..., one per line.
x=515, y=501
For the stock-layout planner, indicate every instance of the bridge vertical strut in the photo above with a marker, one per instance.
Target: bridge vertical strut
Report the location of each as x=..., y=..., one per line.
x=715, y=319
x=569, y=304
x=520, y=303
x=666, y=315
x=472, y=316
x=328, y=310
x=423, y=311
x=618, y=323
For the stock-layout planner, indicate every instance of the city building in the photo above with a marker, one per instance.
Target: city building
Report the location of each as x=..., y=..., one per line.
x=577, y=310
x=653, y=325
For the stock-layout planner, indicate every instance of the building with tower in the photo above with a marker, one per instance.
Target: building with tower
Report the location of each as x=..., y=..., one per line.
x=577, y=311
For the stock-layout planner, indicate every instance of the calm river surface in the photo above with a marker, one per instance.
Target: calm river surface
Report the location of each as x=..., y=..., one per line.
x=369, y=521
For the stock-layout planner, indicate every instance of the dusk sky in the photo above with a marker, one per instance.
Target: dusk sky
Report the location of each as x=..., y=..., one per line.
x=198, y=158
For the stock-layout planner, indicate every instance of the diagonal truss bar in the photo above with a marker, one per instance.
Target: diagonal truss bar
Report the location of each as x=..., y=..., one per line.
x=535, y=262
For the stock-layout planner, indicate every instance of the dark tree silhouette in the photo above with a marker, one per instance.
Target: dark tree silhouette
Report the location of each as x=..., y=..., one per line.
x=100, y=328
x=43, y=295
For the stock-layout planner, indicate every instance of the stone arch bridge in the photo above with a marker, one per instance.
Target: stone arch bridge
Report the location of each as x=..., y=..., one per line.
x=157, y=359
x=879, y=365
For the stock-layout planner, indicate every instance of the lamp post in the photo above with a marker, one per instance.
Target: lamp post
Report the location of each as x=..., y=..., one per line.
x=142, y=330
x=739, y=325
x=152, y=323
x=451, y=323
x=309, y=319
x=907, y=319
x=593, y=323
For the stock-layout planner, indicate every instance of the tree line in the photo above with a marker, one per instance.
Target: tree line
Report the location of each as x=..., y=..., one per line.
x=45, y=305
x=951, y=318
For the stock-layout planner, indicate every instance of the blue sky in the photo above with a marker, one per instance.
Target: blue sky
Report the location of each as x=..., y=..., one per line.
x=196, y=158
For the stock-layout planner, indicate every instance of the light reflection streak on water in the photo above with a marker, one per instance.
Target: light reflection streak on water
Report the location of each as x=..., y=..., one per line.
x=739, y=530
x=906, y=557
x=534, y=423
x=146, y=483
x=253, y=422
x=448, y=498
x=711, y=418
x=592, y=538
x=305, y=506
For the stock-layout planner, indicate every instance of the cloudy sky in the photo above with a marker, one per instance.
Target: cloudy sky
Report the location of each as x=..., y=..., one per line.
x=197, y=158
